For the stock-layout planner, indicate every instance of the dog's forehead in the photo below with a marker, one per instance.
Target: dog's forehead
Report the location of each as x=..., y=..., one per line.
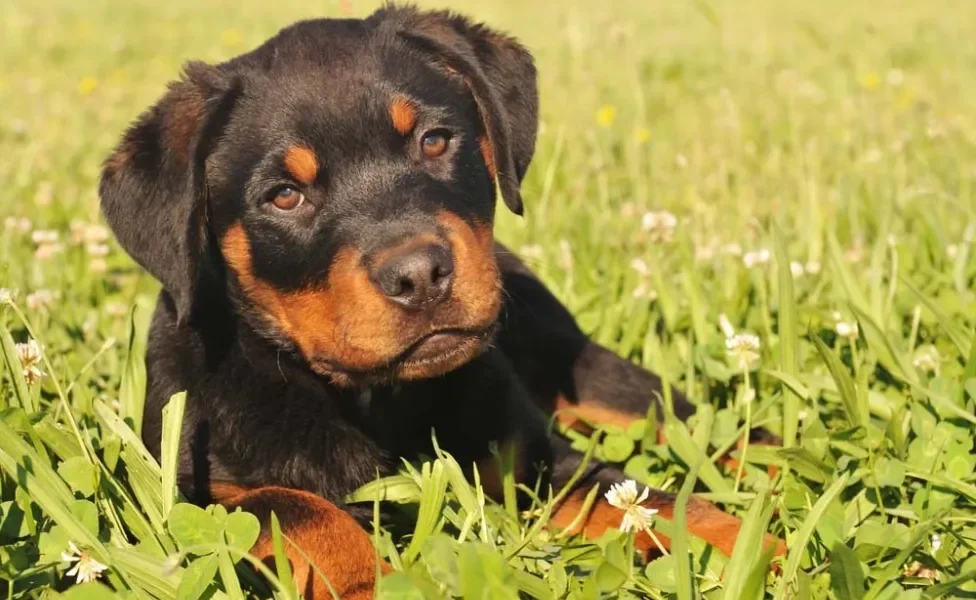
x=334, y=74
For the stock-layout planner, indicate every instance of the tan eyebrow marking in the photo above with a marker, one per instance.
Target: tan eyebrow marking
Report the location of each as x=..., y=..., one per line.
x=403, y=114
x=302, y=164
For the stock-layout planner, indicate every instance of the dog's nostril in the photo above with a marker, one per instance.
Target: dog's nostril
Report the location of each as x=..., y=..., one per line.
x=417, y=276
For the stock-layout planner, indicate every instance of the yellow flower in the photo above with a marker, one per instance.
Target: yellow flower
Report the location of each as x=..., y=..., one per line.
x=871, y=81
x=87, y=85
x=642, y=135
x=606, y=116
x=230, y=37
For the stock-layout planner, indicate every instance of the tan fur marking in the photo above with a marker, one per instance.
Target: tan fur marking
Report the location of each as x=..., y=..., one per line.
x=703, y=519
x=347, y=323
x=488, y=153
x=338, y=546
x=403, y=114
x=302, y=164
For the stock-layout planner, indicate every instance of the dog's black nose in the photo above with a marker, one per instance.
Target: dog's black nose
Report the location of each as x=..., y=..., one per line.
x=417, y=276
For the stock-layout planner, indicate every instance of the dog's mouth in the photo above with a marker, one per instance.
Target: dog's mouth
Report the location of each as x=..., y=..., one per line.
x=435, y=353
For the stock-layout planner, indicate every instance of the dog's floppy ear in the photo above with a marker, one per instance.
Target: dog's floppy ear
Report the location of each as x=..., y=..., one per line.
x=502, y=78
x=153, y=189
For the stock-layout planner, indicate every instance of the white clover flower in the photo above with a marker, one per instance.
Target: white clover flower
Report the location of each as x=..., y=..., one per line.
x=30, y=359
x=96, y=234
x=77, y=229
x=928, y=359
x=847, y=329
x=640, y=266
x=45, y=236
x=97, y=249
x=756, y=258
x=39, y=299
x=625, y=497
x=744, y=349
x=796, y=268
x=6, y=296
x=86, y=569
x=659, y=225
x=21, y=225
x=47, y=250
x=98, y=265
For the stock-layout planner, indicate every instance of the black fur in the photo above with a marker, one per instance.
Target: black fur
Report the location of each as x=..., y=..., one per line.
x=209, y=156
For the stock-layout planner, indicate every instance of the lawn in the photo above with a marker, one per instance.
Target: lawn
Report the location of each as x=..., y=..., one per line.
x=804, y=172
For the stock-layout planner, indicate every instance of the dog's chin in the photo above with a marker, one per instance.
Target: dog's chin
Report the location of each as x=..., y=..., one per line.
x=432, y=355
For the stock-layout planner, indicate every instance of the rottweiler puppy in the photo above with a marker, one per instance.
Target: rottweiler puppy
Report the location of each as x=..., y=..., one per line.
x=319, y=212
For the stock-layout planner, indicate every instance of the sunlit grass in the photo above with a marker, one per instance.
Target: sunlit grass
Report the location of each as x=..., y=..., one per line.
x=804, y=173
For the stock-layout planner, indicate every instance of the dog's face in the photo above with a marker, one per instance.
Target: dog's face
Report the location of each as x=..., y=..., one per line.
x=342, y=178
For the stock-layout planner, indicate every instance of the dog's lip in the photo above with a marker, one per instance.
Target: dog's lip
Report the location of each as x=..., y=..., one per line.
x=442, y=343
x=434, y=346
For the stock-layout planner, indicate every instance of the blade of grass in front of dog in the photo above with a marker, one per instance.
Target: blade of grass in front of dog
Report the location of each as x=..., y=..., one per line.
x=682, y=444
x=787, y=338
x=679, y=541
x=48, y=490
x=434, y=486
x=459, y=483
x=228, y=575
x=845, y=384
x=170, y=448
x=16, y=371
x=158, y=580
x=748, y=547
x=798, y=546
x=506, y=457
x=132, y=389
x=282, y=564
x=393, y=488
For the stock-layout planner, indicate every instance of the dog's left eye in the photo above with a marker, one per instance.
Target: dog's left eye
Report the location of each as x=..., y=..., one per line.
x=434, y=143
x=288, y=198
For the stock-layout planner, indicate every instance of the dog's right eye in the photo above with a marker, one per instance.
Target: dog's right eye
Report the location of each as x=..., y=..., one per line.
x=288, y=198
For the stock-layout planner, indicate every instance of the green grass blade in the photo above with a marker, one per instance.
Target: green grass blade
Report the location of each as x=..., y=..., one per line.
x=799, y=544
x=788, y=338
x=170, y=452
x=845, y=384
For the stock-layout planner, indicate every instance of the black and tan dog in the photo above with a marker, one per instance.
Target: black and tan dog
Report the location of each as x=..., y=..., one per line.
x=319, y=212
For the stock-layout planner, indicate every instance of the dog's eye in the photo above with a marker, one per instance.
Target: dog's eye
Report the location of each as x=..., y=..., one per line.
x=288, y=198
x=434, y=143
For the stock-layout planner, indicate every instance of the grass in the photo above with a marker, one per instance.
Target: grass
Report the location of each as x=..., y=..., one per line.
x=830, y=146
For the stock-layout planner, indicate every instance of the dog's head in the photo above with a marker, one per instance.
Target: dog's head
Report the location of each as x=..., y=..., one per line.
x=342, y=177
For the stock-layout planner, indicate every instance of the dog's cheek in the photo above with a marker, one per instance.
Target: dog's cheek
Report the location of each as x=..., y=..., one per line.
x=477, y=284
x=343, y=321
